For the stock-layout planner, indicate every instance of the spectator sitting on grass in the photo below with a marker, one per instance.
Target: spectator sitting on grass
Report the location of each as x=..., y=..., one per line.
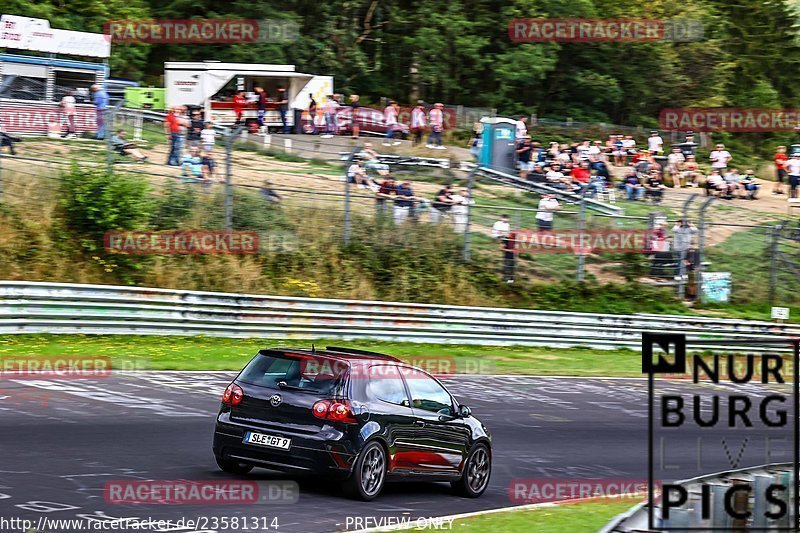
x=404, y=201
x=750, y=185
x=461, y=203
x=555, y=178
x=356, y=174
x=537, y=175
x=269, y=194
x=192, y=167
x=121, y=145
x=372, y=161
x=634, y=187
x=690, y=171
x=654, y=187
x=209, y=165
x=732, y=181
x=442, y=204
x=715, y=185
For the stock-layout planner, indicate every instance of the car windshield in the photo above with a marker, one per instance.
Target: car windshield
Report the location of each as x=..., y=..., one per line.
x=300, y=372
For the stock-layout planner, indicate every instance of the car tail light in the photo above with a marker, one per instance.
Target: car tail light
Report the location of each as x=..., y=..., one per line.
x=232, y=395
x=334, y=410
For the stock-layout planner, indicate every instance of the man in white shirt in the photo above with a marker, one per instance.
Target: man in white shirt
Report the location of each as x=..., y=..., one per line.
x=655, y=143
x=522, y=127
x=544, y=215
x=461, y=203
x=67, y=105
x=390, y=118
x=719, y=158
x=793, y=169
x=555, y=178
x=501, y=228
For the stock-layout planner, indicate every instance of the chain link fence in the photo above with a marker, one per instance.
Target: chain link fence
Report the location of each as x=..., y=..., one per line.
x=309, y=203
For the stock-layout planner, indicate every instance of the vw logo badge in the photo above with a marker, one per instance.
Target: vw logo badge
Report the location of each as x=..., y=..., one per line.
x=275, y=400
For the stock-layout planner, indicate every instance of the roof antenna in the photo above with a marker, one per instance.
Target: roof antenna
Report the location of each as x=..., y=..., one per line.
x=312, y=348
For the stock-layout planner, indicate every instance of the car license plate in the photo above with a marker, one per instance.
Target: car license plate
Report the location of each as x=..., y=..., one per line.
x=271, y=441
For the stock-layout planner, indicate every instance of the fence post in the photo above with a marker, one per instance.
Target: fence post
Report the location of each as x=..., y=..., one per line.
x=108, y=126
x=773, y=263
x=229, y=175
x=701, y=244
x=347, y=164
x=581, y=228
x=470, y=187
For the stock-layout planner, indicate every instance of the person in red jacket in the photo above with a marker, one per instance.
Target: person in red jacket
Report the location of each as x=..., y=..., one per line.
x=239, y=103
x=780, y=170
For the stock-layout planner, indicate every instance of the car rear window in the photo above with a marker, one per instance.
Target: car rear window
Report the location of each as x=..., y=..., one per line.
x=300, y=372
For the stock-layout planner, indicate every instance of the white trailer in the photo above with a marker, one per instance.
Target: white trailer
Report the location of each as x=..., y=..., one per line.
x=212, y=84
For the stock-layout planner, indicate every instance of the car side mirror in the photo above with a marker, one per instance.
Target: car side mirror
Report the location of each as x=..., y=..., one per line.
x=464, y=411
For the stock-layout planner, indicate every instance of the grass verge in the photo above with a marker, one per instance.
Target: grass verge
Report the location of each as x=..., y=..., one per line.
x=573, y=517
x=215, y=353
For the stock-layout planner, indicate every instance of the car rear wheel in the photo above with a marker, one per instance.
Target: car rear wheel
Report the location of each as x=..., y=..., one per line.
x=232, y=467
x=477, y=471
x=369, y=473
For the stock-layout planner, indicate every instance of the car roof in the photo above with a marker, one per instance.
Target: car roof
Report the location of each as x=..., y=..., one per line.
x=346, y=354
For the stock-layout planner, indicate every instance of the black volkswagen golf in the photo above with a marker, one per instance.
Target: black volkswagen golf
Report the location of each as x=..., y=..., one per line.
x=362, y=417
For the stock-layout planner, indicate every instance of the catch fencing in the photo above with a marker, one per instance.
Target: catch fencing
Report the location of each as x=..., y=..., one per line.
x=59, y=308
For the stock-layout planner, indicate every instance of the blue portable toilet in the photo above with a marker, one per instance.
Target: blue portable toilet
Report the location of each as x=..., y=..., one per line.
x=499, y=144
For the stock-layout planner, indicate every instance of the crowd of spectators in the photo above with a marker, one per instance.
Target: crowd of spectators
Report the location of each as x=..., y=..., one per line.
x=191, y=145
x=642, y=173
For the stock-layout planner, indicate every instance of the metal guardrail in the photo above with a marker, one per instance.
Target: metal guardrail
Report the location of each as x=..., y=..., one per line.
x=689, y=515
x=41, y=307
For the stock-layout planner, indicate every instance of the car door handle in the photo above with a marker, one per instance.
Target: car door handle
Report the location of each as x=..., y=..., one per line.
x=419, y=423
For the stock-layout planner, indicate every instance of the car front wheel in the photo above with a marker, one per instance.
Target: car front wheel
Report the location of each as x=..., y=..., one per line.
x=477, y=471
x=369, y=473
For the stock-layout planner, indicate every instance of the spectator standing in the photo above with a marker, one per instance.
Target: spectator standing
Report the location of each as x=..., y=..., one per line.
x=522, y=127
x=793, y=169
x=196, y=126
x=719, y=158
x=475, y=144
x=384, y=194
x=355, y=115
x=683, y=232
x=418, y=123
x=501, y=227
x=208, y=137
x=7, y=139
x=655, y=144
x=544, y=213
x=675, y=162
x=239, y=103
x=261, y=103
x=780, y=170
x=436, y=121
x=283, y=108
x=460, y=211
x=524, y=157
x=312, y=113
x=330, y=110
x=390, y=119
x=442, y=204
x=67, y=105
x=403, y=202
x=175, y=125
x=100, y=97
x=688, y=147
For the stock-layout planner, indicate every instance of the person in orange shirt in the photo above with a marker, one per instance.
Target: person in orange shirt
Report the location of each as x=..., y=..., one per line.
x=780, y=169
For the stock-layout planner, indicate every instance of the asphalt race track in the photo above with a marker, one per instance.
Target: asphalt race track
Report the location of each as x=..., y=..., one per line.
x=62, y=440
